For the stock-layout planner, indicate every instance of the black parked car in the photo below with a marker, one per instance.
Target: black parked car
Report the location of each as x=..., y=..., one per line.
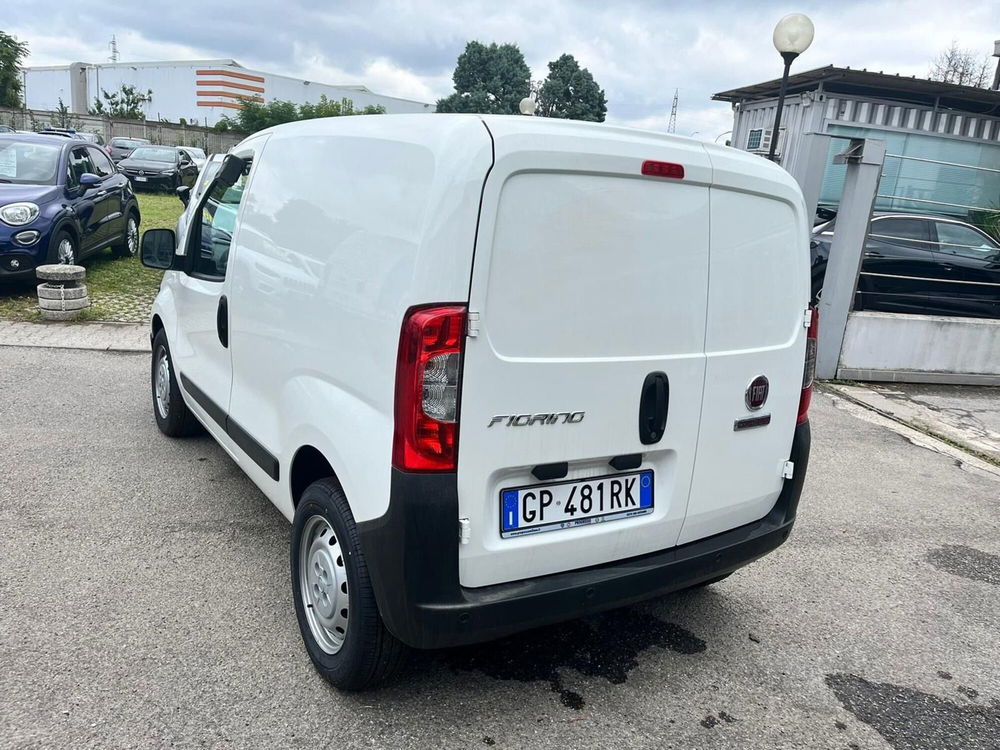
x=935, y=265
x=119, y=148
x=159, y=167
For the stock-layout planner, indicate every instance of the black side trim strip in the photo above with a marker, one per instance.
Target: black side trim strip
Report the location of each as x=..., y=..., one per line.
x=257, y=452
x=260, y=455
x=212, y=408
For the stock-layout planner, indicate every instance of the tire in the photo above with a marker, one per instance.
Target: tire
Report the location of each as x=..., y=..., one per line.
x=172, y=415
x=129, y=244
x=64, y=249
x=329, y=576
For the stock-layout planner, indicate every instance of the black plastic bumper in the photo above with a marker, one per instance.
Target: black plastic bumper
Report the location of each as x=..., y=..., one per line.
x=412, y=554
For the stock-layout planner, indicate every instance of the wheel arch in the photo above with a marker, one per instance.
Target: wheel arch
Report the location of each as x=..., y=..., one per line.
x=308, y=465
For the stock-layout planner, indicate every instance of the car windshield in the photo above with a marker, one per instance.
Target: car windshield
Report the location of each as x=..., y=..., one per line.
x=127, y=143
x=154, y=154
x=29, y=163
x=196, y=153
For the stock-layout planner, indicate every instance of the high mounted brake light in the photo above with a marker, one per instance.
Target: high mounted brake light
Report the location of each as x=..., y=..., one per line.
x=663, y=169
x=428, y=371
x=809, y=369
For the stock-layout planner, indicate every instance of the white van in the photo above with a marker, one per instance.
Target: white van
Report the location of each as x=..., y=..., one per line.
x=498, y=372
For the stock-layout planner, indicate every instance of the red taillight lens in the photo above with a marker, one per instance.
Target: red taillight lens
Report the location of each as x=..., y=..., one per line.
x=809, y=370
x=428, y=371
x=663, y=169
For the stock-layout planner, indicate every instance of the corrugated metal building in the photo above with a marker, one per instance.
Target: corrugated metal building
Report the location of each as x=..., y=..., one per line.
x=931, y=120
x=200, y=91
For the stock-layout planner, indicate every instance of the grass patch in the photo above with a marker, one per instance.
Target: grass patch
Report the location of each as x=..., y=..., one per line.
x=121, y=289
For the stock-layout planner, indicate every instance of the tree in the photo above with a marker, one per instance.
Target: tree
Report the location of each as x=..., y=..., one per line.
x=571, y=92
x=961, y=66
x=488, y=80
x=11, y=54
x=254, y=115
x=124, y=104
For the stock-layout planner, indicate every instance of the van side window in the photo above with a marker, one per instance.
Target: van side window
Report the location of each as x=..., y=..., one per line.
x=214, y=235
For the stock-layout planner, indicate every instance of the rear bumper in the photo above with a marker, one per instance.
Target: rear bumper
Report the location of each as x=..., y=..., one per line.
x=412, y=554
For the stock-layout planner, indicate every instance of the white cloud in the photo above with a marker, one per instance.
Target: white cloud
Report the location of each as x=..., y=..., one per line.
x=638, y=50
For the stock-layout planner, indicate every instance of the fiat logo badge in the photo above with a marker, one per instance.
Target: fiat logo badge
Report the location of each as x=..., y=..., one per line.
x=756, y=393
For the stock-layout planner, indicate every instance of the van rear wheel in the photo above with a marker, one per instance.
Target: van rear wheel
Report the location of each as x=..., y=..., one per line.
x=334, y=602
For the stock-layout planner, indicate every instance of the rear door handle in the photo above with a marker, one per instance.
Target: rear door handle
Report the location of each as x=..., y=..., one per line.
x=222, y=321
x=654, y=403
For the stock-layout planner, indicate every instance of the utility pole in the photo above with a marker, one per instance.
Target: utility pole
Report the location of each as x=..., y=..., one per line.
x=672, y=125
x=113, y=46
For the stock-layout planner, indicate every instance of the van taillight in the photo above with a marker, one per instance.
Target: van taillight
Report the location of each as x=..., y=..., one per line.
x=809, y=371
x=428, y=371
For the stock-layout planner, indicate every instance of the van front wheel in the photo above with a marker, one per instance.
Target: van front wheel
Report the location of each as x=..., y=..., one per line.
x=334, y=602
x=172, y=415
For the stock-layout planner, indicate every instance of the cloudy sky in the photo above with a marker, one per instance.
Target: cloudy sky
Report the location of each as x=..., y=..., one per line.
x=638, y=50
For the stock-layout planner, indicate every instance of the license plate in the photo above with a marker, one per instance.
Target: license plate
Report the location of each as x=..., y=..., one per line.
x=140, y=178
x=538, y=508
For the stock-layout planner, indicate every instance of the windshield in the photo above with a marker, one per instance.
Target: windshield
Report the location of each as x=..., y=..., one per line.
x=127, y=143
x=29, y=163
x=154, y=154
x=196, y=153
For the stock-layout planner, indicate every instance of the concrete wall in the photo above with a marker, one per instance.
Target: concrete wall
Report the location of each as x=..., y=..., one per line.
x=167, y=134
x=920, y=349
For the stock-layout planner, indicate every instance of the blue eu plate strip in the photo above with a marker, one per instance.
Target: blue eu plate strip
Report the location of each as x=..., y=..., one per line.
x=510, y=512
x=645, y=489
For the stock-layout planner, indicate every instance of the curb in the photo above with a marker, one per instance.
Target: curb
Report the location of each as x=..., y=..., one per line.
x=96, y=336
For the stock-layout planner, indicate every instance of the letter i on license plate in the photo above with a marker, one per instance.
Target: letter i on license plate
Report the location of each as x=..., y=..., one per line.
x=555, y=506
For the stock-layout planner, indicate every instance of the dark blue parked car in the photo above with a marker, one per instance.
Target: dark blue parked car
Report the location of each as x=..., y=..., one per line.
x=61, y=200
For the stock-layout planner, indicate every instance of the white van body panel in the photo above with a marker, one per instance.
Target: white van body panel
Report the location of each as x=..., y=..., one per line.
x=350, y=222
x=588, y=276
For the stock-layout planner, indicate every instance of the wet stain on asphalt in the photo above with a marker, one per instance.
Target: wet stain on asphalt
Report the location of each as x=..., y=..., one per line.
x=967, y=562
x=710, y=721
x=606, y=645
x=910, y=719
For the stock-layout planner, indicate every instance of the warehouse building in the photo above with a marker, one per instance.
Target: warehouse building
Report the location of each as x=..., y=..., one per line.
x=200, y=91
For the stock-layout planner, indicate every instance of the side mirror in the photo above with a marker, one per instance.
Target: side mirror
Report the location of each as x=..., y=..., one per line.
x=88, y=180
x=158, y=246
x=184, y=194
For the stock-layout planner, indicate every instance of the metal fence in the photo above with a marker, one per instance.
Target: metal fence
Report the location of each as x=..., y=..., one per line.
x=164, y=133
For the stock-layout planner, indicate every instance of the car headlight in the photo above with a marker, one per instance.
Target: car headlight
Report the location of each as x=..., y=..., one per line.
x=18, y=214
x=166, y=171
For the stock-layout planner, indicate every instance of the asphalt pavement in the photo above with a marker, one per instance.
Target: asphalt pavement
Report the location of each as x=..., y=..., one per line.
x=145, y=602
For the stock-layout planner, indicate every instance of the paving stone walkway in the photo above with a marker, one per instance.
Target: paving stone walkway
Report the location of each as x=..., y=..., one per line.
x=114, y=337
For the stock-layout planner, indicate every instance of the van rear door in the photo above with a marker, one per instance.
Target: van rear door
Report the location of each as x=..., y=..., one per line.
x=587, y=315
x=758, y=294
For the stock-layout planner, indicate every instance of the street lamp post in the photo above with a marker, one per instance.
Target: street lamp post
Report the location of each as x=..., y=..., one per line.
x=792, y=36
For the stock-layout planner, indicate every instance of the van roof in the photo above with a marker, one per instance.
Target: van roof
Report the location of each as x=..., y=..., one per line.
x=435, y=131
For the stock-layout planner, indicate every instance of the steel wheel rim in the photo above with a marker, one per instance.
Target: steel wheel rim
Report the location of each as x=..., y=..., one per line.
x=323, y=584
x=133, y=237
x=161, y=383
x=64, y=252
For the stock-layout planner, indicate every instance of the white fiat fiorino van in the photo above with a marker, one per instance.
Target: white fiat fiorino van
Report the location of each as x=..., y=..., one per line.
x=498, y=372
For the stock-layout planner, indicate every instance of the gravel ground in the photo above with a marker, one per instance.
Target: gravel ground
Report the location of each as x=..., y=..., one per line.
x=144, y=601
